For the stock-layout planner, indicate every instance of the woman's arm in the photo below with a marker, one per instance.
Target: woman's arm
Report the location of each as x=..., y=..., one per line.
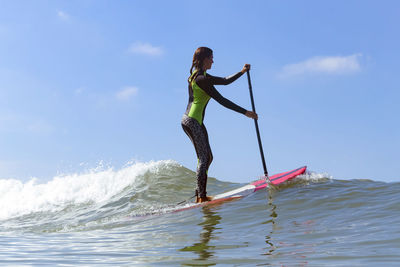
x=229, y=104
x=224, y=81
x=208, y=87
x=227, y=80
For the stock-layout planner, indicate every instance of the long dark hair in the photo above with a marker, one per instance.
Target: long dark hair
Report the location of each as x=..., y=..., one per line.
x=200, y=54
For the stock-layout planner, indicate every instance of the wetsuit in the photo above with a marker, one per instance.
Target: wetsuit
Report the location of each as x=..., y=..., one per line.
x=201, y=89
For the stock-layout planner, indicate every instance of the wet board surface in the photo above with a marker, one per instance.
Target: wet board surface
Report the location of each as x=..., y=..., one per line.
x=246, y=190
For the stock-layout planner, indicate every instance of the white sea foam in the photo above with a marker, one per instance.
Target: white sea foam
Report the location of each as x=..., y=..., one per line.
x=94, y=186
x=315, y=177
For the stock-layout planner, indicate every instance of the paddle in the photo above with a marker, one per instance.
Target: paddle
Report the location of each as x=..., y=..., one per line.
x=256, y=124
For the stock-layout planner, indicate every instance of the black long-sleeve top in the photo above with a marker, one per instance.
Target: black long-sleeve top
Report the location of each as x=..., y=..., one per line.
x=201, y=89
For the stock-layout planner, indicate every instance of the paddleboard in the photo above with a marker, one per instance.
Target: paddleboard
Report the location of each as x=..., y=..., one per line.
x=248, y=189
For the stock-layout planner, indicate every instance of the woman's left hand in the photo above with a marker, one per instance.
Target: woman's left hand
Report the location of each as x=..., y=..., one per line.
x=251, y=115
x=246, y=67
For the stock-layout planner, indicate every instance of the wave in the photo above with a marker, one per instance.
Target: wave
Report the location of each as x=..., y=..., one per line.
x=93, y=187
x=102, y=197
x=96, y=196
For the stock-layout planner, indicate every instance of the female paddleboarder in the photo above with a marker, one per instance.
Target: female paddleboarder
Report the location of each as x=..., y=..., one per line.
x=201, y=89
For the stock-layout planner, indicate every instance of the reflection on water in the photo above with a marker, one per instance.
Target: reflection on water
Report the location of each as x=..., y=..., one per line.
x=210, y=220
x=275, y=244
x=290, y=251
x=270, y=248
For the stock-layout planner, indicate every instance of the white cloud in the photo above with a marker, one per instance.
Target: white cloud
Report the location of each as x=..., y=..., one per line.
x=146, y=49
x=127, y=93
x=325, y=65
x=62, y=15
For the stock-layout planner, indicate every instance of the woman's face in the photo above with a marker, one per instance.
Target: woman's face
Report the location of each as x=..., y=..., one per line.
x=208, y=61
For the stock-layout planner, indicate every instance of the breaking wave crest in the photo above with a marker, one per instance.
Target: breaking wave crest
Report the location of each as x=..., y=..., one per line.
x=100, y=197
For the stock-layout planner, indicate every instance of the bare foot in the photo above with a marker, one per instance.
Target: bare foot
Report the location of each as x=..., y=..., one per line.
x=203, y=199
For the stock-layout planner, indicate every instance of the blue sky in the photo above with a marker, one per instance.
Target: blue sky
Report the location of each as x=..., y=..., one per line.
x=83, y=82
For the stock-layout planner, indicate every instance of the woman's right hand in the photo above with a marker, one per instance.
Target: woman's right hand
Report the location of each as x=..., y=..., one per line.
x=246, y=67
x=251, y=115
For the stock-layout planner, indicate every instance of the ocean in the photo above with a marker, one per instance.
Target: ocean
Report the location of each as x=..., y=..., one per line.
x=125, y=217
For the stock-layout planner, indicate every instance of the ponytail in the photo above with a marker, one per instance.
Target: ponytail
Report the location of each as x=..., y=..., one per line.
x=200, y=54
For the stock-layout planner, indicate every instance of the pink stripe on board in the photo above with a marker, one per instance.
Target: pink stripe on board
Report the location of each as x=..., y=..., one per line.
x=282, y=177
x=259, y=182
x=260, y=187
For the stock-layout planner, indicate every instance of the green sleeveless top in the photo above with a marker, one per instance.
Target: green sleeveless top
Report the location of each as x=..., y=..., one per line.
x=200, y=101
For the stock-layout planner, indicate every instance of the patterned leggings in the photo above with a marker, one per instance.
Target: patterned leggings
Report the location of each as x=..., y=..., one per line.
x=199, y=137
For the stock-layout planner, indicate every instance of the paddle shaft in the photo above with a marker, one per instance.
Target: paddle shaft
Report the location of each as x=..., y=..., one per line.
x=256, y=124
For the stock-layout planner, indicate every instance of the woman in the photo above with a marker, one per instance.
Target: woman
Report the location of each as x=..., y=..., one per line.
x=201, y=89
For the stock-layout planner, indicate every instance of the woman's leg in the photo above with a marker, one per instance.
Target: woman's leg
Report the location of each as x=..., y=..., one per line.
x=198, y=136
